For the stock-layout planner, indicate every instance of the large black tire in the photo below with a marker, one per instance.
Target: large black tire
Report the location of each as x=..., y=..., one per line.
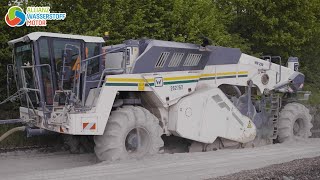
x=126, y=127
x=78, y=144
x=294, y=121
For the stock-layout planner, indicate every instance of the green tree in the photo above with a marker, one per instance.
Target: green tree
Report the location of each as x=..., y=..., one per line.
x=283, y=27
x=272, y=27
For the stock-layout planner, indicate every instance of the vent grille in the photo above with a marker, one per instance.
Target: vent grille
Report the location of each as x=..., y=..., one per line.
x=176, y=59
x=192, y=60
x=162, y=59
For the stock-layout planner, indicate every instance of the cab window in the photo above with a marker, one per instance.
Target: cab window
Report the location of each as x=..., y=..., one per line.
x=67, y=58
x=93, y=49
x=45, y=70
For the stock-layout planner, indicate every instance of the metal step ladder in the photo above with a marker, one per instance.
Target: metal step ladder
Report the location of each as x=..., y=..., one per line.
x=275, y=105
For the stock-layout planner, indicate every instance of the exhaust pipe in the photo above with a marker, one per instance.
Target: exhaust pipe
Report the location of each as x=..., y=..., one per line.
x=37, y=132
x=293, y=63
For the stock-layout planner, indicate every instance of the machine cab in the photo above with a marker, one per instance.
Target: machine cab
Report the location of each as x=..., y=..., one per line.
x=51, y=70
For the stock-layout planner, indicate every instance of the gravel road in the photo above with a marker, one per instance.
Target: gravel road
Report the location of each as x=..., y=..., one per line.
x=163, y=166
x=308, y=169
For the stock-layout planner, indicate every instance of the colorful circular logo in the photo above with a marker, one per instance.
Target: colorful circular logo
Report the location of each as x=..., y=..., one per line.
x=15, y=17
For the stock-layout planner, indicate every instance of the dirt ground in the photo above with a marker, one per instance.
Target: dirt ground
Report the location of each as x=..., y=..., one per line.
x=202, y=165
x=301, y=169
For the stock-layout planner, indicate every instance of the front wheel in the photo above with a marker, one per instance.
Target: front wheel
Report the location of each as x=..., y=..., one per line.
x=294, y=121
x=131, y=132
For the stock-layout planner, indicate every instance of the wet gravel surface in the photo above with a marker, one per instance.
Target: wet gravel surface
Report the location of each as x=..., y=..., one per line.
x=301, y=169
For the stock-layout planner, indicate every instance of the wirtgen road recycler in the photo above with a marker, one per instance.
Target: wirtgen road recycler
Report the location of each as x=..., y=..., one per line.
x=129, y=95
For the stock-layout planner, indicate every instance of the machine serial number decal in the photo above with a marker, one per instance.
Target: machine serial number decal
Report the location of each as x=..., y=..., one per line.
x=176, y=87
x=258, y=63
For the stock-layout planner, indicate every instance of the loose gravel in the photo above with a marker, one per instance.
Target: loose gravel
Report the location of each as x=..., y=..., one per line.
x=301, y=169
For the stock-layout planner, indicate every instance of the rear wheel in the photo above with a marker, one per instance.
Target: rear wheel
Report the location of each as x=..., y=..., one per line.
x=294, y=121
x=131, y=132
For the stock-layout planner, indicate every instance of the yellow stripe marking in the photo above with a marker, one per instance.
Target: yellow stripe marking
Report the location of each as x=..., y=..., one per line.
x=243, y=72
x=224, y=73
x=151, y=80
x=207, y=75
x=135, y=80
x=181, y=78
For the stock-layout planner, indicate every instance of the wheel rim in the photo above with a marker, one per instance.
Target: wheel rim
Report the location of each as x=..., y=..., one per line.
x=298, y=127
x=137, y=141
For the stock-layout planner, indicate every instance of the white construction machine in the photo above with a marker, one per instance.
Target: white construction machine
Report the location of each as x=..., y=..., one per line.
x=127, y=96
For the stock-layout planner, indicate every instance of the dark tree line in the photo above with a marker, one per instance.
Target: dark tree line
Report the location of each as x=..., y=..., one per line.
x=276, y=27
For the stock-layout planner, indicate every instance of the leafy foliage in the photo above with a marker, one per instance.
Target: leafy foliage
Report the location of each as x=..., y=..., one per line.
x=283, y=27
